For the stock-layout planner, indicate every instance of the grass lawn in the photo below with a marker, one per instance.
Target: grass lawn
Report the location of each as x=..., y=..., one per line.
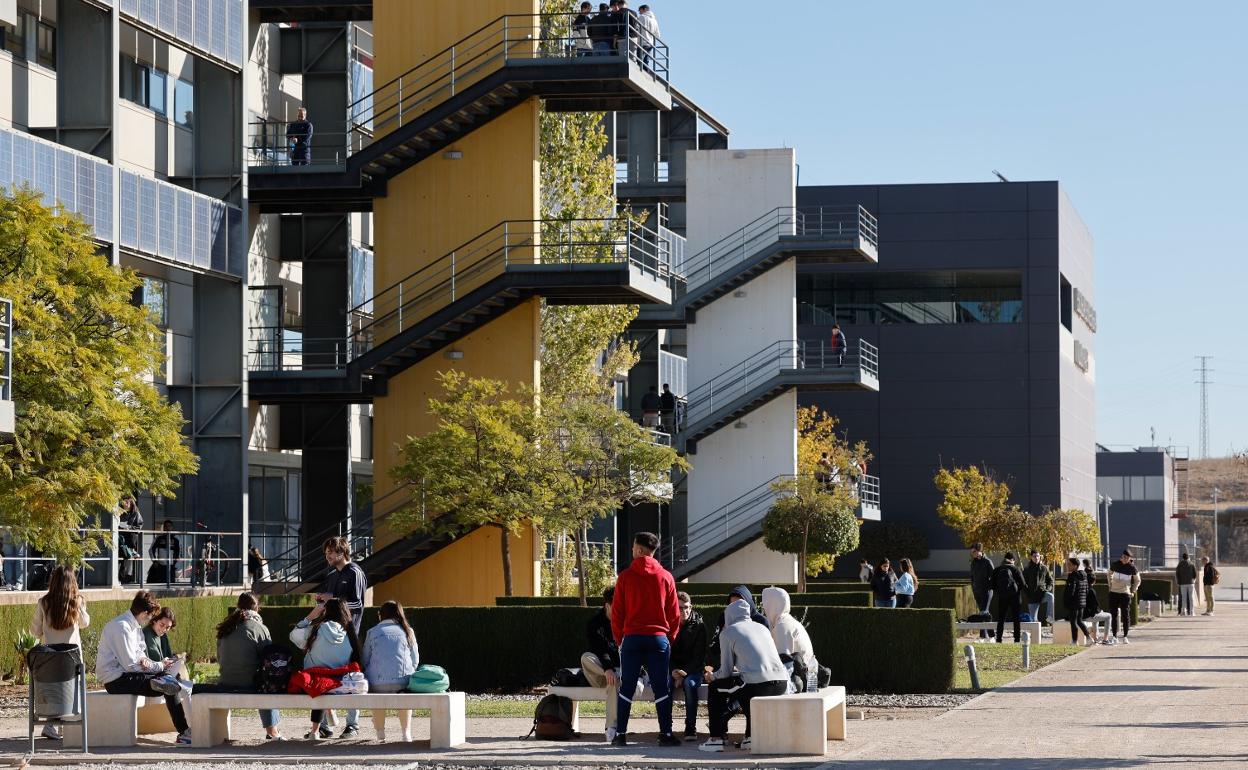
x=1001, y=664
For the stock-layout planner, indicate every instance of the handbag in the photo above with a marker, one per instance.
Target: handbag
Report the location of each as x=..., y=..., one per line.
x=428, y=679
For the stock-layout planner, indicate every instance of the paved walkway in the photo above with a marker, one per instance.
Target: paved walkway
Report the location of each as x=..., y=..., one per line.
x=1178, y=695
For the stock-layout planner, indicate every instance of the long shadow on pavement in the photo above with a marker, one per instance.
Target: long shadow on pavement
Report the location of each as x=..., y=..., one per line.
x=1103, y=688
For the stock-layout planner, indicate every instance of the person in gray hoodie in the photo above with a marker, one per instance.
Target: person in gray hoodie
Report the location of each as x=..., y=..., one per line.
x=749, y=667
x=741, y=593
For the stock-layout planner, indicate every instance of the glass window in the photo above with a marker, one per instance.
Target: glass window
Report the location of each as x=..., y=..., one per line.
x=1111, y=486
x=157, y=90
x=15, y=37
x=133, y=81
x=1153, y=488
x=1137, y=488
x=45, y=45
x=184, y=103
x=151, y=294
x=946, y=297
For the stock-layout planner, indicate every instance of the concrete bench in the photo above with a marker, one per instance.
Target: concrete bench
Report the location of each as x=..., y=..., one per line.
x=1032, y=626
x=1098, y=624
x=607, y=695
x=797, y=724
x=118, y=720
x=210, y=712
x=1150, y=608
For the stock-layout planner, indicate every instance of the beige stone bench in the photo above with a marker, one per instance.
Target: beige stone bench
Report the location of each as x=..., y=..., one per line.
x=797, y=724
x=607, y=695
x=118, y=720
x=1031, y=626
x=210, y=712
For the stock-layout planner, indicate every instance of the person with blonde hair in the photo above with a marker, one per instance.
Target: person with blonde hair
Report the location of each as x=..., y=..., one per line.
x=59, y=614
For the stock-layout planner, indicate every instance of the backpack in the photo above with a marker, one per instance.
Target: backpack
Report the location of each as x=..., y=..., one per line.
x=552, y=720
x=569, y=677
x=1217, y=576
x=276, y=665
x=980, y=617
x=1004, y=582
x=428, y=679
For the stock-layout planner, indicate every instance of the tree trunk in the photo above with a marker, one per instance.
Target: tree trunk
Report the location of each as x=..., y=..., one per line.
x=580, y=562
x=801, y=561
x=506, y=545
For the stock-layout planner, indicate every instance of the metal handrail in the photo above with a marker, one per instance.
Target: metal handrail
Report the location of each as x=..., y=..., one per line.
x=468, y=267
x=739, y=379
x=512, y=38
x=850, y=224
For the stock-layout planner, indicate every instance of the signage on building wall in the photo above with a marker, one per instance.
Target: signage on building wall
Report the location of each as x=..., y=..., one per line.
x=1084, y=309
x=1081, y=356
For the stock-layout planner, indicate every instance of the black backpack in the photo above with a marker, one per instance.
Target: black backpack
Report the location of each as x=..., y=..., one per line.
x=277, y=663
x=1004, y=583
x=569, y=677
x=552, y=720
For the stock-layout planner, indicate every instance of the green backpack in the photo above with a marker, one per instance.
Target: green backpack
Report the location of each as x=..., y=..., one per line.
x=429, y=679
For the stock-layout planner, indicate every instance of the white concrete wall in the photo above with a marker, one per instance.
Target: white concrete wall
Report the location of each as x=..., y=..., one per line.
x=27, y=93
x=753, y=565
x=727, y=190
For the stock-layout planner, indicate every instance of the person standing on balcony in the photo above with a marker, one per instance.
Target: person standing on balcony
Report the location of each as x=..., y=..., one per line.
x=626, y=27
x=581, y=42
x=667, y=409
x=839, y=344
x=165, y=551
x=645, y=620
x=649, y=24
x=651, y=405
x=601, y=30
x=129, y=522
x=299, y=138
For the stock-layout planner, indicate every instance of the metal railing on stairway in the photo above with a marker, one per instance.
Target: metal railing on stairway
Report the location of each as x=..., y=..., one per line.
x=531, y=39
x=466, y=268
x=851, y=225
x=768, y=363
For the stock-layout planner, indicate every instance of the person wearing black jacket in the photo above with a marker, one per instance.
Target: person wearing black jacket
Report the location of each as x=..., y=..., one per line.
x=601, y=33
x=166, y=550
x=688, y=656
x=981, y=580
x=601, y=664
x=581, y=41
x=1039, y=584
x=1007, y=584
x=884, y=585
x=1076, y=600
x=1185, y=576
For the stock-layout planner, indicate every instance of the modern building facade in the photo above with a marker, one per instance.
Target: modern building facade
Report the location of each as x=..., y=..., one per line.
x=1139, y=494
x=981, y=304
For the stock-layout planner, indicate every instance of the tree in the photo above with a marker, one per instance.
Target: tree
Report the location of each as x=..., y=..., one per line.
x=817, y=435
x=811, y=517
x=602, y=461
x=1060, y=532
x=91, y=426
x=976, y=506
x=480, y=467
x=892, y=540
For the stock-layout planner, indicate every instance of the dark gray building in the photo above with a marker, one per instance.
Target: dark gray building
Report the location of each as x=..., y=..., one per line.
x=981, y=306
x=1142, y=486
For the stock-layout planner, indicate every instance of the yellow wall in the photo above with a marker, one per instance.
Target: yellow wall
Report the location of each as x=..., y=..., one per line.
x=429, y=210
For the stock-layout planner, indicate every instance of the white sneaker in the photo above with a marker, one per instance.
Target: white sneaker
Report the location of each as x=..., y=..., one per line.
x=381, y=736
x=610, y=734
x=1125, y=640
x=744, y=744
x=713, y=745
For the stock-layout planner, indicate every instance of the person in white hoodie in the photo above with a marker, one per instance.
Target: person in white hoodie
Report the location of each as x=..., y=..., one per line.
x=749, y=667
x=390, y=657
x=790, y=636
x=329, y=641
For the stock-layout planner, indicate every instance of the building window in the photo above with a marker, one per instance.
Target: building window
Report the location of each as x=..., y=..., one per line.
x=1067, y=303
x=184, y=103
x=31, y=39
x=157, y=87
x=144, y=85
x=152, y=294
x=274, y=513
x=921, y=297
x=15, y=37
x=45, y=45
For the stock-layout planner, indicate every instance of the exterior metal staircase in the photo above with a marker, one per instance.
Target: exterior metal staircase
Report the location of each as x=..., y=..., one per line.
x=565, y=261
x=446, y=97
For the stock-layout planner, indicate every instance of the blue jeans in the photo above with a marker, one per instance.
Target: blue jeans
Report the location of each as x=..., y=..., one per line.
x=1034, y=609
x=891, y=603
x=603, y=48
x=690, y=686
x=654, y=653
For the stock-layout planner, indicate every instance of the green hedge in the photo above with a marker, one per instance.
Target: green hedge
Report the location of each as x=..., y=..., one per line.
x=1163, y=587
x=958, y=598
x=860, y=597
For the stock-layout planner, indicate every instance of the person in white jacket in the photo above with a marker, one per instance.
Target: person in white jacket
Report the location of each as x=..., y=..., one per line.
x=788, y=633
x=649, y=24
x=122, y=665
x=58, y=615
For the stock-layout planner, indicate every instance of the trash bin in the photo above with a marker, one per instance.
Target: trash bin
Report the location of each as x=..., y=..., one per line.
x=58, y=687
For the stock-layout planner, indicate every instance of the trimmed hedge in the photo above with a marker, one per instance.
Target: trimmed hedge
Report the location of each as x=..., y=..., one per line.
x=960, y=599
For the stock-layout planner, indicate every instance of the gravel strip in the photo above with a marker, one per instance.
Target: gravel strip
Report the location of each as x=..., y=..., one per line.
x=909, y=701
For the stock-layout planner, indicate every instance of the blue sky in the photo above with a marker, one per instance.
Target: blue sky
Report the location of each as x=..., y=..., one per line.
x=1140, y=109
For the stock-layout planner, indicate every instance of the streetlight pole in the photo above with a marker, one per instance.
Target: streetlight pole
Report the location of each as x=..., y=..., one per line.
x=1106, y=501
x=1216, y=492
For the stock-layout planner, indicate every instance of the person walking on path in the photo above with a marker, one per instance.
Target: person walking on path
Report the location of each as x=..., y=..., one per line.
x=299, y=138
x=645, y=620
x=1124, y=581
x=1007, y=584
x=1210, y=577
x=907, y=583
x=1038, y=583
x=1185, y=576
x=1076, y=601
x=981, y=581
x=884, y=585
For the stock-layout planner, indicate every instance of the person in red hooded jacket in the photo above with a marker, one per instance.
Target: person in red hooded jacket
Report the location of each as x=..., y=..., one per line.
x=645, y=618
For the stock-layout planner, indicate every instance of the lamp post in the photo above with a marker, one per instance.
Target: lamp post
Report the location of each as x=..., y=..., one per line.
x=1106, y=501
x=1216, y=492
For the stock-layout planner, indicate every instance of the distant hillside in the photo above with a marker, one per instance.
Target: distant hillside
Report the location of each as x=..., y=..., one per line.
x=1226, y=473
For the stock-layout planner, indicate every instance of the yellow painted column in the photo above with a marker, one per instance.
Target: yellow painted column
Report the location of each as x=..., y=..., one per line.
x=429, y=210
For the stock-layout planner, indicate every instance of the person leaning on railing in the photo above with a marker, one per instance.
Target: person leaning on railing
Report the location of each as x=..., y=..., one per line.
x=581, y=42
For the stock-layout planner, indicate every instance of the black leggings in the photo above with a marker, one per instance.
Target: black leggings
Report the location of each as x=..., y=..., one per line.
x=1077, y=624
x=723, y=692
x=141, y=684
x=1120, y=604
x=905, y=600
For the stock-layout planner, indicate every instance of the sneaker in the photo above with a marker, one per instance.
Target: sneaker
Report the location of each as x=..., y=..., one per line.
x=325, y=732
x=714, y=745
x=165, y=686
x=744, y=743
x=691, y=735
x=278, y=737
x=314, y=735
x=1125, y=640
x=350, y=731
x=619, y=740
x=184, y=738
x=52, y=732
x=667, y=739
x=610, y=734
